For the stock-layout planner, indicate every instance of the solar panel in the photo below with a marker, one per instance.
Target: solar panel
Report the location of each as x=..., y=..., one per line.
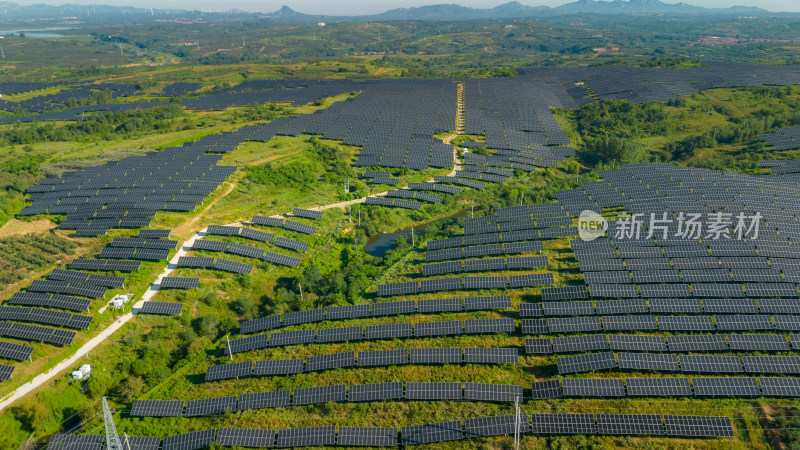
x=443, y=328
x=262, y=400
x=772, y=364
x=711, y=364
x=210, y=406
x=592, y=387
x=648, y=361
x=161, y=308
x=305, y=437
x=439, y=305
x=568, y=308
x=73, y=441
x=15, y=351
x=639, y=343
x=190, y=441
x=586, y=363
x=744, y=322
x=658, y=387
x=434, y=391
x=375, y=391
x=627, y=323
x=730, y=306
x=541, y=390
x=630, y=424
x=536, y=326
x=432, y=432
x=319, y=394
x=540, y=346
x=686, y=323
x=573, y=324
x=157, y=408
x=340, y=334
x=608, y=307
x=487, y=302
x=436, y=356
x=489, y=326
x=492, y=392
x=758, y=342
x=564, y=293
x=388, y=331
x=491, y=355
x=367, y=436
x=232, y=370
x=726, y=387
x=496, y=425
x=179, y=283
x=391, y=308
x=563, y=424
x=382, y=357
x=698, y=426
x=246, y=437
x=333, y=361
x=347, y=312
x=579, y=343
x=300, y=317
x=780, y=387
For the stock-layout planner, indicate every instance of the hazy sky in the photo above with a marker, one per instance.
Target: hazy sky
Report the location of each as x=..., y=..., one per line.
x=359, y=7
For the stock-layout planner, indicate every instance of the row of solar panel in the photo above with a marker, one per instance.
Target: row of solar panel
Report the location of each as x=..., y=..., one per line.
x=375, y=310
x=357, y=333
x=285, y=224
x=478, y=427
x=82, y=277
x=462, y=283
x=667, y=387
x=658, y=343
x=483, y=250
x=752, y=290
x=396, y=390
x=483, y=265
x=44, y=316
x=506, y=236
x=662, y=305
x=446, y=355
x=783, y=365
x=663, y=323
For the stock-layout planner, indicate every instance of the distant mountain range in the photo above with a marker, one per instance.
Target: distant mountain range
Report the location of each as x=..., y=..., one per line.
x=511, y=10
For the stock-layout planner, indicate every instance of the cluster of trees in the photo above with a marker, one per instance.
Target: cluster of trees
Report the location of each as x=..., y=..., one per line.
x=21, y=255
x=334, y=167
x=104, y=126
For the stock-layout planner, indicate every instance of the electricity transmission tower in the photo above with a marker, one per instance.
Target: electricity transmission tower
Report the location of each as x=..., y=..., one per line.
x=112, y=438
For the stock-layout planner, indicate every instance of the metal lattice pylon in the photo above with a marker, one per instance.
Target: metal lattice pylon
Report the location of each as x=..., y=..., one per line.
x=112, y=438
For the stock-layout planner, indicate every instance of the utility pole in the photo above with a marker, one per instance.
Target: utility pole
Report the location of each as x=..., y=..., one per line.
x=301, y=291
x=472, y=207
x=3, y=53
x=228, y=344
x=112, y=438
x=413, y=244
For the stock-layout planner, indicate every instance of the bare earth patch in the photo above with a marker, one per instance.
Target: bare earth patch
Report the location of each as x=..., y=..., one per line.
x=16, y=227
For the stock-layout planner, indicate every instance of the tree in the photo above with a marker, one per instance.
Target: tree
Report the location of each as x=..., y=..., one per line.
x=131, y=388
x=100, y=382
x=242, y=305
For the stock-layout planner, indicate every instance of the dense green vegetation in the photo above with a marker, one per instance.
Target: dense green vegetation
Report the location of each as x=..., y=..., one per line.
x=687, y=129
x=22, y=255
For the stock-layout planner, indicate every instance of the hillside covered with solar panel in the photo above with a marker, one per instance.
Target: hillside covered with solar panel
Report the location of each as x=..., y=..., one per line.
x=281, y=230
